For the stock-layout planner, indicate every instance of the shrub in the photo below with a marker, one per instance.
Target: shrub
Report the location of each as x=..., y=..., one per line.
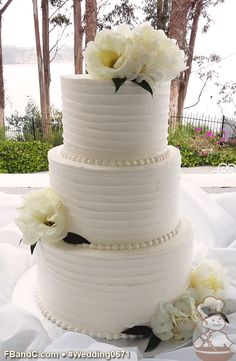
x=28, y=127
x=2, y=134
x=23, y=157
x=200, y=147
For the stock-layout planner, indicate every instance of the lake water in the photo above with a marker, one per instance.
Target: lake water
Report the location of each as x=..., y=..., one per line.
x=21, y=83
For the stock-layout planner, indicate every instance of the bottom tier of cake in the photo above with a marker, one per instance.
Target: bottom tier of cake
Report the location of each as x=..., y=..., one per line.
x=103, y=292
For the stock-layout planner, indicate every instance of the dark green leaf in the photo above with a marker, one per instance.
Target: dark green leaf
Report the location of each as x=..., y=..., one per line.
x=74, y=238
x=32, y=247
x=144, y=84
x=138, y=331
x=152, y=343
x=118, y=82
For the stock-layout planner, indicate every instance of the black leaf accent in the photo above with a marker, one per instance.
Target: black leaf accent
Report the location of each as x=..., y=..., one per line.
x=20, y=242
x=152, y=343
x=32, y=247
x=144, y=84
x=118, y=82
x=74, y=238
x=139, y=331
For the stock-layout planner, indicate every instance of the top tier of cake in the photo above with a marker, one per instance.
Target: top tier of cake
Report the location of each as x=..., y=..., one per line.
x=101, y=125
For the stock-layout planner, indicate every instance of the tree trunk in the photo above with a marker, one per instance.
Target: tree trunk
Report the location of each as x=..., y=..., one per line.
x=91, y=20
x=193, y=34
x=40, y=67
x=78, y=38
x=162, y=14
x=46, y=125
x=159, y=14
x=2, y=93
x=177, y=30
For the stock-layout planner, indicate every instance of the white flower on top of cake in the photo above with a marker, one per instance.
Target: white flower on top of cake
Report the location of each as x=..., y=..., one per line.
x=159, y=57
x=175, y=320
x=208, y=278
x=140, y=55
x=109, y=56
x=42, y=217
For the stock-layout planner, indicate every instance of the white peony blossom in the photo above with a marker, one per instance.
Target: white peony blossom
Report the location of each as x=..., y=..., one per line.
x=177, y=319
x=208, y=279
x=159, y=57
x=140, y=54
x=109, y=57
x=42, y=217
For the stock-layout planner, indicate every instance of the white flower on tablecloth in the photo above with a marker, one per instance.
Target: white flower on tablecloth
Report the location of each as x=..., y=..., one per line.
x=175, y=320
x=109, y=56
x=42, y=217
x=208, y=278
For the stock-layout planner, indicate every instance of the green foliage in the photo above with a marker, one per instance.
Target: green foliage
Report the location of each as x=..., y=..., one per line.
x=157, y=20
x=28, y=127
x=200, y=147
x=2, y=134
x=23, y=157
x=122, y=13
x=55, y=138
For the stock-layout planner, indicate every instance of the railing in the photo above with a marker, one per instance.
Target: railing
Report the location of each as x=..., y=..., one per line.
x=30, y=131
x=215, y=124
x=218, y=125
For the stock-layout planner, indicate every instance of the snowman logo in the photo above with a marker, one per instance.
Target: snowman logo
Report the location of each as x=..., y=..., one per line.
x=210, y=341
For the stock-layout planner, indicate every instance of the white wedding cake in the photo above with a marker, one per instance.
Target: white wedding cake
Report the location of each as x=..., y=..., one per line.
x=118, y=182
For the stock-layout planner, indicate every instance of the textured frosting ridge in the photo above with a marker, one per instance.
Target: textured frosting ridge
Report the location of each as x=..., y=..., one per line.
x=102, y=293
x=100, y=124
x=118, y=205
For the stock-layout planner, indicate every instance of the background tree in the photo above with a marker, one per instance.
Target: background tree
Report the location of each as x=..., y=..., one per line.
x=40, y=66
x=205, y=73
x=157, y=12
x=2, y=91
x=183, y=26
x=90, y=20
x=122, y=13
x=78, y=37
x=45, y=53
x=179, y=19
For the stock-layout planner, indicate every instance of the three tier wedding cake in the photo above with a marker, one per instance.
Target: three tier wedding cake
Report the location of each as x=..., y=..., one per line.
x=113, y=245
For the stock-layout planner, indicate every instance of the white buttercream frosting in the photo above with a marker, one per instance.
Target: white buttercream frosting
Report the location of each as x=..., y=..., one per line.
x=100, y=124
x=141, y=244
x=117, y=205
x=101, y=293
x=114, y=163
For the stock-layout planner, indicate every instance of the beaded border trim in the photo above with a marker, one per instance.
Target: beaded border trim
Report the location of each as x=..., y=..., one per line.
x=115, y=163
x=142, y=244
x=66, y=326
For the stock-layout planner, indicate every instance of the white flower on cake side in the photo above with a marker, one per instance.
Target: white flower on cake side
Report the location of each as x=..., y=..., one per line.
x=42, y=218
x=208, y=278
x=143, y=55
x=177, y=319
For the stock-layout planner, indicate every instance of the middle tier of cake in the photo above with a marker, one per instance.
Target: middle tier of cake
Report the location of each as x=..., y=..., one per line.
x=118, y=205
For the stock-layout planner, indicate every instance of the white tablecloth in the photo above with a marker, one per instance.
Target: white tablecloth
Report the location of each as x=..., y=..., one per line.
x=214, y=222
